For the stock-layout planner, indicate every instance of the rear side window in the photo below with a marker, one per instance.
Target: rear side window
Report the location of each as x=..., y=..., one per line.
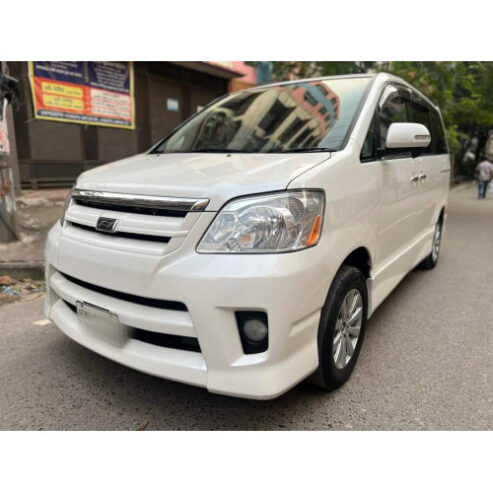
x=419, y=113
x=437, y=133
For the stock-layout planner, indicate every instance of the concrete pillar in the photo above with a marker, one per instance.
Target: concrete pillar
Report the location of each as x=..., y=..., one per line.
x=8, y=206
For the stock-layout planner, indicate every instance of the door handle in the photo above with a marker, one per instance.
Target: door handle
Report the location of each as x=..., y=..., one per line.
x=422, y=177
x=415, y=179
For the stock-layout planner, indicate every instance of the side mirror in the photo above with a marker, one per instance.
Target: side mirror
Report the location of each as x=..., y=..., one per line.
x=407, y=136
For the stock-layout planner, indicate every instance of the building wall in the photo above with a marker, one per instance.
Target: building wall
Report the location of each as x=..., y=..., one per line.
x=52, y=153
x=248, y=80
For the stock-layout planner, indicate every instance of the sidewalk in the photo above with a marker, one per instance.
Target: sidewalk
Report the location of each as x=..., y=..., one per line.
x=38, y=211
x=21, y=262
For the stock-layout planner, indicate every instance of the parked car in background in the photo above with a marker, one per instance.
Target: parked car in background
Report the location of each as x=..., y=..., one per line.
x=246, y=251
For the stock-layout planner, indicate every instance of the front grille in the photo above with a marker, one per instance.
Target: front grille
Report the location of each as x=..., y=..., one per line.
x=140, y=300
x=123, y=234
x=141, y=204
x=157, y=339
x=131, y=208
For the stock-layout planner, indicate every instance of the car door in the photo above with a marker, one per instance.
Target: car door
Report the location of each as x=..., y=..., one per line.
x=398, y=221
x=426, y=164
x=436, y=164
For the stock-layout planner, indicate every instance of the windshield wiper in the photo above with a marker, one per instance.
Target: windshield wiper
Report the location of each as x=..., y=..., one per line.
x=195, y=151
x=241, y=151
x=224, y=151
x=309, y=149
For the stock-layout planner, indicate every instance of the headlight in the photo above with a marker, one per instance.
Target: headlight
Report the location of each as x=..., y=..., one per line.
x=277, y=222
x=65, y=206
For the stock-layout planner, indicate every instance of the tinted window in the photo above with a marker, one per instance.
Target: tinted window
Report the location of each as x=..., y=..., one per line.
x=428, y=116
x=419, y=113
x=398, y=105
x=437, y=134
x=274, y=119
x=392, y=109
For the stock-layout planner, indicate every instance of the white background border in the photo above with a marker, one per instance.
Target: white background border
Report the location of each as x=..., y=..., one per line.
x=240, y=462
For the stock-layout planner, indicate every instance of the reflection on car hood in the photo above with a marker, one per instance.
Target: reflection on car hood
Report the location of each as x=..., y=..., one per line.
x=218, y=177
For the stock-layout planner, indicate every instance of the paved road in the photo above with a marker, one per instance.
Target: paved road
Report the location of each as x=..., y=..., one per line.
x=427, y=362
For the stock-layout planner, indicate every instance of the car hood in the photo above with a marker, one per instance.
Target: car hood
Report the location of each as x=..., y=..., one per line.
x=218, y=177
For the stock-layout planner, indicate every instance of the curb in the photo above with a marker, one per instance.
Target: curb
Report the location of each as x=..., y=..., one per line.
x=21, y=270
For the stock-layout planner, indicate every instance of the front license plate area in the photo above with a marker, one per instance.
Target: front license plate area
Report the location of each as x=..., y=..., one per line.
x=100, y=323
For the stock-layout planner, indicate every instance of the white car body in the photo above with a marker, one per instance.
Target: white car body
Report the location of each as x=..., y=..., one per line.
x=376, y=207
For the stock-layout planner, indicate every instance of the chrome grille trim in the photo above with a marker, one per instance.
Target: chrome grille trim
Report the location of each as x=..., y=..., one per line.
x=95, y=197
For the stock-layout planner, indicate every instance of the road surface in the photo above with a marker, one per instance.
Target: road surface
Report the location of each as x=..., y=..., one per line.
x=426, y=364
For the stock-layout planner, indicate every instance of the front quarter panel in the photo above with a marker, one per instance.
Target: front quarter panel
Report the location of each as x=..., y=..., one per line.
x=352, y=192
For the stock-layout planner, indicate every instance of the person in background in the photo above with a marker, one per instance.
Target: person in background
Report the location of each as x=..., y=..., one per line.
x=484, y=172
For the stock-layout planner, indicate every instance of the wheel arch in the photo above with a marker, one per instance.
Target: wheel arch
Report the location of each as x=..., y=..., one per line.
x=361, y=259
x=441, y=215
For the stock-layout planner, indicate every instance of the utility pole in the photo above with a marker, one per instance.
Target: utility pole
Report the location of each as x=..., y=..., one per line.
x=8, y=206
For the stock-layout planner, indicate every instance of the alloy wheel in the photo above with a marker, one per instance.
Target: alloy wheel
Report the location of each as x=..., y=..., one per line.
x=436, y=242
x=347, y=329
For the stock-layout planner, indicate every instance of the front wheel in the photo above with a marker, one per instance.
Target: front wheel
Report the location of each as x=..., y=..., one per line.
x=342, y=328
x=431, y=261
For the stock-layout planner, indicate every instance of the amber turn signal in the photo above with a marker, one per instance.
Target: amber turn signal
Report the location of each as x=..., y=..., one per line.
x=315, y=231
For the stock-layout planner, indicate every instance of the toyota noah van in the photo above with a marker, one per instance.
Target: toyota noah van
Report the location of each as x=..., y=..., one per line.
x=246, y=250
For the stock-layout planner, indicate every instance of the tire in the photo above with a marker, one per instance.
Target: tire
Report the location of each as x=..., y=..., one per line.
x=330, y=374
x=431, y=261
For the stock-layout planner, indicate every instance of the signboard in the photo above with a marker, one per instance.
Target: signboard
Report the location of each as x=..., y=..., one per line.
x=89, y=93
x=4, y=135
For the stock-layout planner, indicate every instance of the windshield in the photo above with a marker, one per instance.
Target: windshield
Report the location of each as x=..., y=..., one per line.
x=296, y=117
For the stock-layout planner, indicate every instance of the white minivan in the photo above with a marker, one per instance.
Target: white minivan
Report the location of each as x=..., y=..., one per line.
x=246, y=250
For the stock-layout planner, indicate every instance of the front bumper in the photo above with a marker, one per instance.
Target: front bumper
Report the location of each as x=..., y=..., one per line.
x=286, y=286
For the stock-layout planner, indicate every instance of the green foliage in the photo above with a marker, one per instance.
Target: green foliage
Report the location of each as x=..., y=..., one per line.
x=462, y=90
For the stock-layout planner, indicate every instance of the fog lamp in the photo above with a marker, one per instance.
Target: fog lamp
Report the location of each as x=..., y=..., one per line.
x=254, y=332
x=255, y=329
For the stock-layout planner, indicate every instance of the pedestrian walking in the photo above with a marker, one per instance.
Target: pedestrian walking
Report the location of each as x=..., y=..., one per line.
x=484, y=172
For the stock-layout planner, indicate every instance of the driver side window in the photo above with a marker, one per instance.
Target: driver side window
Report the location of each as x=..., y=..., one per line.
x=393, y=108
